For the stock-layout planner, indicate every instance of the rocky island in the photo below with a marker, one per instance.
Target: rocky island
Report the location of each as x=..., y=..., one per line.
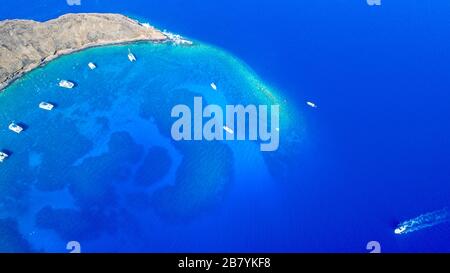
x=27, y=44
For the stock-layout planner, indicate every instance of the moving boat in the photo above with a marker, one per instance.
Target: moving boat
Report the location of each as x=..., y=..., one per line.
x=423, y=221
x=66, y=84
x=400, y=230
x=46, y=106
x=3, y=156
x=213, y=86
x=15, y=128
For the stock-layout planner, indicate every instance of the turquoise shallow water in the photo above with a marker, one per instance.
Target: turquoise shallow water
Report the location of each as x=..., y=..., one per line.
x=102, y=168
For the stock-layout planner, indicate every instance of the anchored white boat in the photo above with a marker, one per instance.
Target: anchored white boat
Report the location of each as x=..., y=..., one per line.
x=66, y=84
x=213, y=86
x=228, y=130
x=3, y=156
x=46, y=106
x=92, y=66
x=131, y=56
x=311, y=104
x=15, y=128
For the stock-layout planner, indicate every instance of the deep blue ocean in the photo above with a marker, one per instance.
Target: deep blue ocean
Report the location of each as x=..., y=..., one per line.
x=101, y=169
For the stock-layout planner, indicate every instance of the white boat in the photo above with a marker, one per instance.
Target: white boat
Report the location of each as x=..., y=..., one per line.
x=46, y=106
x=228, y=129
x=66, y=84
x=400, y=230
x=423, y=221
x=15, y=128
x=311, y=104
x=131, y=56
x=213, y=86
x=3, y=156
x=92, y=66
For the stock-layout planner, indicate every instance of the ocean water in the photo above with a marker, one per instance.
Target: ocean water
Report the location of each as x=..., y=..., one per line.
x=102, y=170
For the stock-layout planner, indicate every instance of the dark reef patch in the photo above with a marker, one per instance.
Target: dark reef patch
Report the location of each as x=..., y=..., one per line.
x=15, y=185
x=71, y=224
x=138, y=201
x=11, y=241
x=206, y=170
x=92, y=182
x=58, y=159
x=202, y=179
x=156, y=165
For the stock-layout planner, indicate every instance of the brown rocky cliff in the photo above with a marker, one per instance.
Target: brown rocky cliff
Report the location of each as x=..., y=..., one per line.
x=26, y=44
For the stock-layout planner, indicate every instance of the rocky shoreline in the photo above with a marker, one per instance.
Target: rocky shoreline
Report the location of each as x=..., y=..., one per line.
x=26, y=44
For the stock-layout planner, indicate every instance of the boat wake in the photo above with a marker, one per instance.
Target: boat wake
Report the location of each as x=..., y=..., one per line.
x=423, y=221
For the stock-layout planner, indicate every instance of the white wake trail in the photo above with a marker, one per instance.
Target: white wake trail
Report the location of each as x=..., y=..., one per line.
x=423, y=221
